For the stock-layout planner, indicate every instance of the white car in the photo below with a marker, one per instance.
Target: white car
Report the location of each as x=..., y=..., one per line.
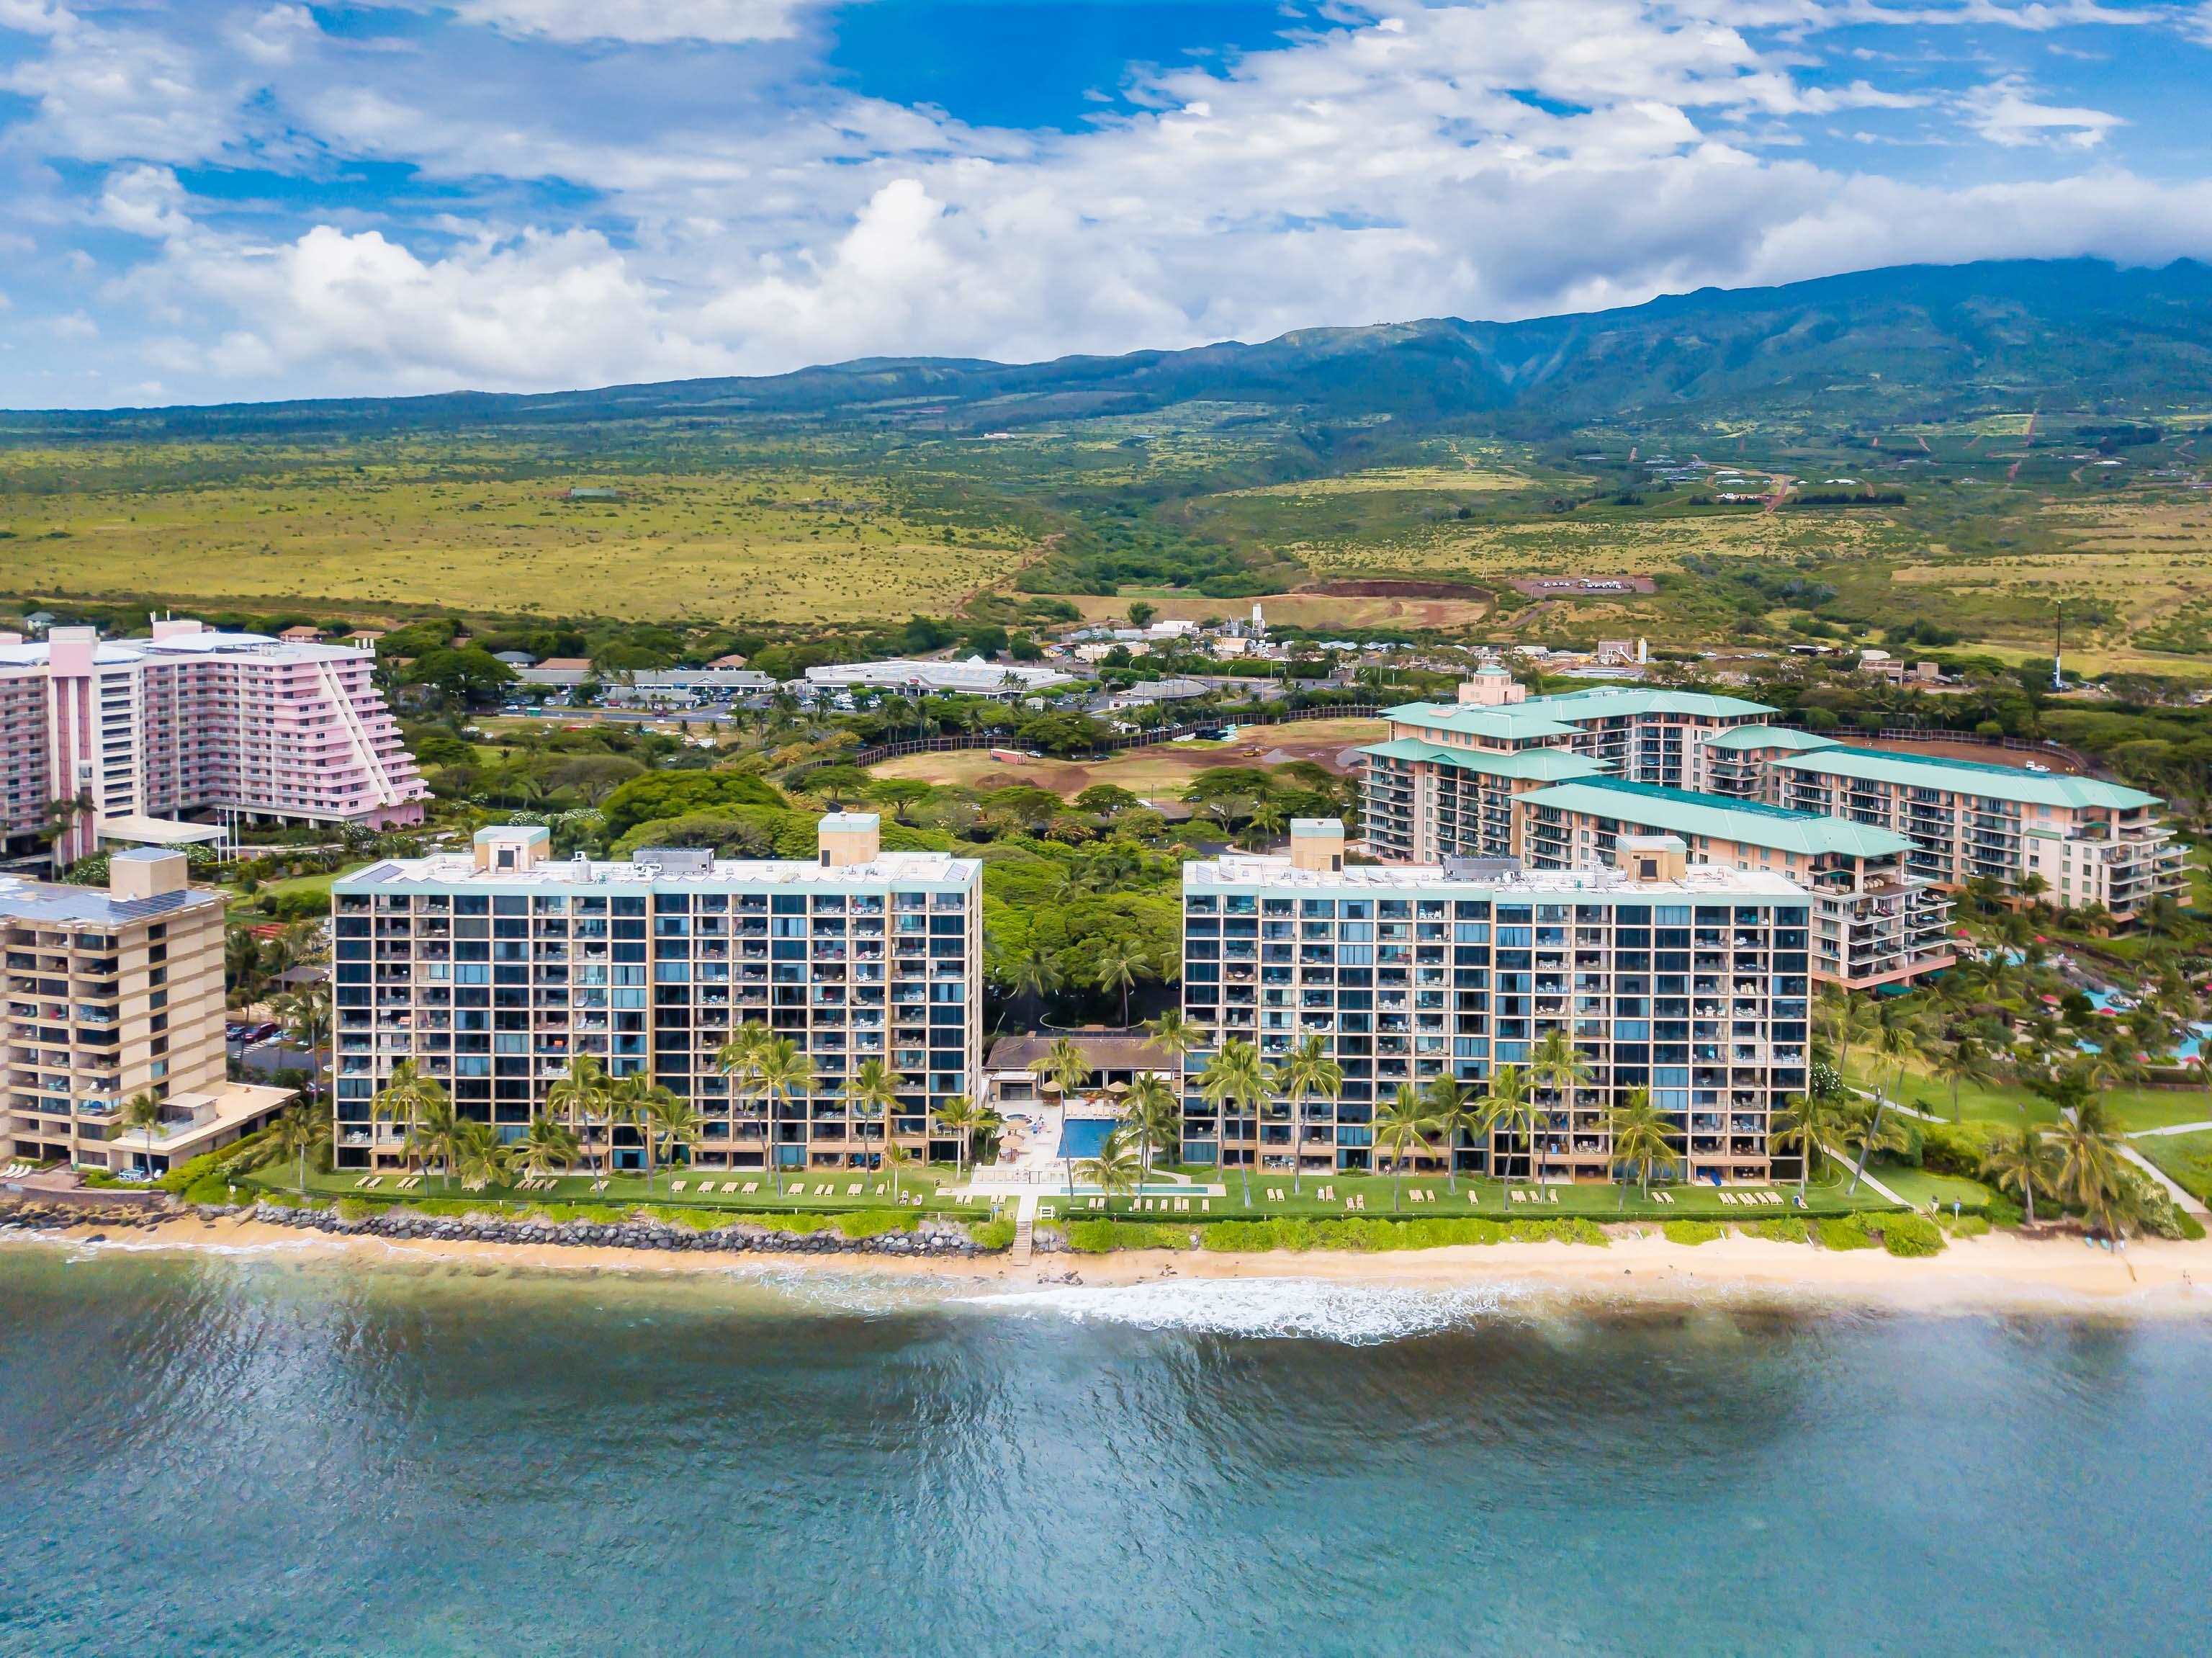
x=2035, y=765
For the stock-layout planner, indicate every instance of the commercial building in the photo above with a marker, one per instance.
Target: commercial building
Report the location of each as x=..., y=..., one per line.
x=973, y=678
x=129, y=736
x=112, y=995
x=2089, y=842
x=670, y=685
x=492, y=971
x=1874, y=922
x=1690, y=980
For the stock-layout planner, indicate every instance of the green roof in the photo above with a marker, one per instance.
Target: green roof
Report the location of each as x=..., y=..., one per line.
x=1545, y=764
x=1681, y=812
x=1517, y=722
x=1767, y=736
x=1619, y=702
x=1969, y=777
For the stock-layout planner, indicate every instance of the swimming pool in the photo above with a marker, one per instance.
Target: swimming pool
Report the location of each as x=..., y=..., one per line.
x=1083, y=1137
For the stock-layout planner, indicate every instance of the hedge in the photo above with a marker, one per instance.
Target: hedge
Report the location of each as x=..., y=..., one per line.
x=992, y=1234
x=1361, y=1234
x=1691, y=1232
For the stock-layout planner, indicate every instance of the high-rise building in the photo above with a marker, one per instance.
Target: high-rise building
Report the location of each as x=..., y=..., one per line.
x=1691, y=981
x=112, y=995
x=124, y=738
x=492, y=972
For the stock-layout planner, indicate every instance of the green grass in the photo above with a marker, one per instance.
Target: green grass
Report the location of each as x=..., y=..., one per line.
x=2185, y=1158
x=627, y=1190
x=1920, y=1188
x=2132, y=1108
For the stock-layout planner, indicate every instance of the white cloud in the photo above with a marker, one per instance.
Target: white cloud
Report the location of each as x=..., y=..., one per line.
x=2005, y=113
x=650, y=22
x=104, y=95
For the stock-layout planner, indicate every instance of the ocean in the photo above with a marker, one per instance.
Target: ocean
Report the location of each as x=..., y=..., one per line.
x=275, y=1453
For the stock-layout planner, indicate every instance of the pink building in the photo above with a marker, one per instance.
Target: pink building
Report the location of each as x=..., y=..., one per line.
x=225, y=728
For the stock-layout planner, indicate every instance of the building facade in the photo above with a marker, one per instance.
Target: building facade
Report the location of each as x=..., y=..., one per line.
x=1874, y=922
x=1693, y=982
x=492, y=972
x=124, y=735
x=112, y=995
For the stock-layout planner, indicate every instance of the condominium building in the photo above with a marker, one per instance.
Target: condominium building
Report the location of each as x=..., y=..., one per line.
x=1452, y=779
x=1689, y=980
x=126, y=737
x=112, y=995
x=1874, y=922
x=1443, y=784
x=2088, y=841
x=492, y=971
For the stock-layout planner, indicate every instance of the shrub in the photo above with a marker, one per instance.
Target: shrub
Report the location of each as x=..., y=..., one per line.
x=797, y=1225
x=875, y=1222
x=698, y=1220
x=101, y=1180
x=1909, y=1235
x=1781, y=1228
x=354, y=1208
x=1958, y=1148
x=1691, y=1232
x=1967, y=1226
x=1103, y=1237
x=991, y=1234
x=210, y=1189
x=1845, y=1232
x=190, y=1172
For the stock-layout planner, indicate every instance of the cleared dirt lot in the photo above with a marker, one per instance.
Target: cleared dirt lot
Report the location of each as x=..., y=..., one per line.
x=1157, y=772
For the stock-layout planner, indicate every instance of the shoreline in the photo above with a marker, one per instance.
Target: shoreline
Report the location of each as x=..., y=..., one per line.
x=1996, y=1273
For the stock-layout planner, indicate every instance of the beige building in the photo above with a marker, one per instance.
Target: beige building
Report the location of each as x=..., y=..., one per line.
x=111, y=994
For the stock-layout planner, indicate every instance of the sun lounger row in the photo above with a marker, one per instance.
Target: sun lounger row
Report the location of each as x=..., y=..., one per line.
x=1751, y=1199
x=20, y=1168
x=1544, y=1197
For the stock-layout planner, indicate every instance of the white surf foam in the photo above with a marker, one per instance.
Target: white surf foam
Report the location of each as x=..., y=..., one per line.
x=1291, y=1308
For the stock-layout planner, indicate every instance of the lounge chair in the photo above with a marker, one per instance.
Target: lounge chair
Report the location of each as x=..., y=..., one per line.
x=752, y=1185
x=1206, y=1205
x=677, y=1186
x=853, y=1190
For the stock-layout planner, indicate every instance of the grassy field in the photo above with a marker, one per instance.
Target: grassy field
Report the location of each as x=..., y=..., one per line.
x=2132, y=1109
x=801, y=1194
x=1314, y=610
x=768, y=543
x=1155, y=773
x=2185, y=1159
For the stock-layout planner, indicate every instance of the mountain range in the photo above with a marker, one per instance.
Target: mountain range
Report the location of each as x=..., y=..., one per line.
x=1912, y=342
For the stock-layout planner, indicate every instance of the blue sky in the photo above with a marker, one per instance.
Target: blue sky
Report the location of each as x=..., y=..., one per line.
x=216, y=201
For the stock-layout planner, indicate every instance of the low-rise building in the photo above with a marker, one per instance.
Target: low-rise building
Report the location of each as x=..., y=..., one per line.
x=1692, y=981
x=491, y=971
x=974, y=677
x=112, y=995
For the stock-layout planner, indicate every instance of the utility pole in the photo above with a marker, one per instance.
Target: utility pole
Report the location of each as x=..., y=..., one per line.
x=2058, y=651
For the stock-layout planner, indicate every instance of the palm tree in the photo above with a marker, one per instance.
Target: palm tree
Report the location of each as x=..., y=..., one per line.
x=959, y=1117
x=433, y=1134
x=1116, y=1170
x=548, y=1147
x=477, y=1155
x=1306, y=1069
x=1557, y=1067
x=1034, y=973
x=1153, y=1117
x=2022, y=1165
x=1233, y=1078
x=1867, y=1127
x=1806, y=1122
x=1641, y=1136
x=1846, y=1020
x=1501, y=1108
x=579, y=1095
x=301, y=1130
x=305, y=1013
x=894, y=1156
x=2088, y=1160
x=141, y=1113
x=782, y=1073
x=1454, y=1110
x=1962, y=1061
x=1118, y=968
x=873, y=1092
x=672, y=1125
x=398, y=1100
x=1063, y=1065
x=1404, y=1126
x=1897, y=1037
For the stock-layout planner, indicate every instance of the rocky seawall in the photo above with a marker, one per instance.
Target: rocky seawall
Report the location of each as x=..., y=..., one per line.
x=932, y=1239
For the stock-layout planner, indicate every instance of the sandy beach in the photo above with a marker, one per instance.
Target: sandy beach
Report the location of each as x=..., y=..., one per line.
x=1996, y=1272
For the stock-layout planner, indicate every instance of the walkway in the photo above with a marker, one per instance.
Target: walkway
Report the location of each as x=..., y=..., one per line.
x=1868, y=1178
x=2182, y=1199
x=2176, y=1128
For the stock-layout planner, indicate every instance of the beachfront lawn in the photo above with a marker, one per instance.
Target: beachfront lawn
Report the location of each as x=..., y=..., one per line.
x=2185, y=1159
x=1918, y=1187
x=800, y=1193
x=1477, y=1195
x=2132, y=1108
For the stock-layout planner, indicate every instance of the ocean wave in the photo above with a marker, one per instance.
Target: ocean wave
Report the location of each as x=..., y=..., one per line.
x=1291, y=1309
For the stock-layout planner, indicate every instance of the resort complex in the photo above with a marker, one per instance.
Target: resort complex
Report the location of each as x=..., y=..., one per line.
x=1689, y=980
x=1878, y=835
x=494, y=973
x=113, y=996
x=117, y=740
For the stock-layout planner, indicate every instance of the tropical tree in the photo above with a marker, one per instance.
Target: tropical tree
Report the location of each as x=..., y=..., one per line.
x=1866, y=1128
x=1118, y=968
x=1558, y=1068
x=1151, y=1112
x=2088, y=1159
x=1502, y=1108
x=1897, y=1037
x=475, y=1153
x=1232, y=1078
x=1962, y=1060
x=433, y=1128
x=1641, y=1138
x=894, y=1155
x=1806, y=1124
x=1846, y=1021
x=1305, y=1070
x=781, y=1073
x=959, y=1117
x=141, y=1113
x=581, y=1095
x=873, y=1092
x=1455, y=1112
x=672, y=1125
x=1116, y=1170
x=1063, y=1065
x=1404, y=1126
x=301, y=1131
x=1034, y=973
x=548, y=1146
x=305, y=1013
x=2022, y=1164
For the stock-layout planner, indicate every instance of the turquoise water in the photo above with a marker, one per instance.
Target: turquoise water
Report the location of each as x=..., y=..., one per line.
x=264, y=1455
x=1083, y=1137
